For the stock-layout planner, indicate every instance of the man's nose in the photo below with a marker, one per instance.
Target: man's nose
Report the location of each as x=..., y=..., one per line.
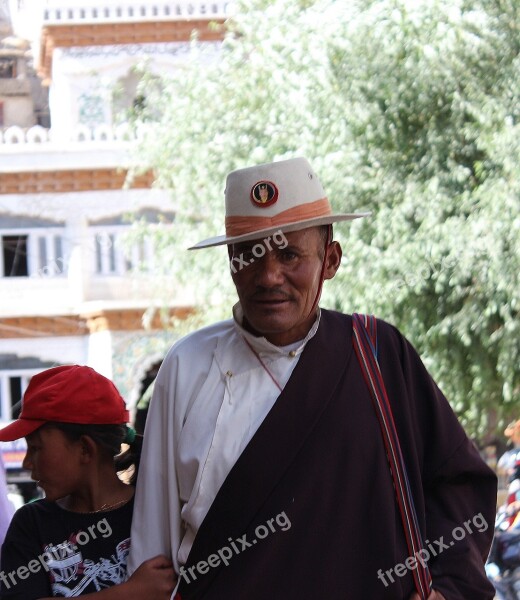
x=269, y=271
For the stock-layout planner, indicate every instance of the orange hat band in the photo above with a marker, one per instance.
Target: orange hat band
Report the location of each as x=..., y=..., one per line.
x=243, y=225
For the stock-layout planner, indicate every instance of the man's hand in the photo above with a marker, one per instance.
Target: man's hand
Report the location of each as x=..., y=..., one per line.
x=433, y=596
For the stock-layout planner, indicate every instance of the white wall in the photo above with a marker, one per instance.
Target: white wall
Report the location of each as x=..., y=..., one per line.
x=84, y=79
x=99, y=349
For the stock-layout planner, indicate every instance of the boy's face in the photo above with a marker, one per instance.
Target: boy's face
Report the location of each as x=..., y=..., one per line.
x=53, y=461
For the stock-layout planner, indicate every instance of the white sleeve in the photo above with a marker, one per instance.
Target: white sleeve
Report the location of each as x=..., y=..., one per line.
x=156, y=523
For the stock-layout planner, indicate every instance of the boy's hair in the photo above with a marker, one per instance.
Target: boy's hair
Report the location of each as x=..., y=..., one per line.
x=109, y=439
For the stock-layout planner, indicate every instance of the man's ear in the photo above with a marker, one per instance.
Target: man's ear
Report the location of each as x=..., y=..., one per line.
x=333, y=260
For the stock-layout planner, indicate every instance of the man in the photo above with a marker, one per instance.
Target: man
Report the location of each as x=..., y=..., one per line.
x=507, y=462
x=264, y=472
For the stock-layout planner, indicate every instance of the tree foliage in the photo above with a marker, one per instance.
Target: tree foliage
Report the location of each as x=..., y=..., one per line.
x=407, y=109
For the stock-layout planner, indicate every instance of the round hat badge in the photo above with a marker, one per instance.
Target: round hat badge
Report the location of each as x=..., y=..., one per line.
x=264, y=193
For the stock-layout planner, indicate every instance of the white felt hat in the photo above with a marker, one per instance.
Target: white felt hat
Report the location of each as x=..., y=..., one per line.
x=279, y=196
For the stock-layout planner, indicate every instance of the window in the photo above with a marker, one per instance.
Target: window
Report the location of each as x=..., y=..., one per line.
x=51, y=261
x=105, y=253
x=42, y=253
x=14, y=255
x=35, y=251
x=7, y=67
x=13, y=384
x=58, y=252
x=115, y=255
x=15, y=391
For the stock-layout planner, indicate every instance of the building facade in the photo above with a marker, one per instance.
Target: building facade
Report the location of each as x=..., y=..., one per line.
x=77, y=283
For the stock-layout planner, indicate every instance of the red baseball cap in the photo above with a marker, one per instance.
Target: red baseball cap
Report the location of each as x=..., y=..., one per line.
x=67, y=394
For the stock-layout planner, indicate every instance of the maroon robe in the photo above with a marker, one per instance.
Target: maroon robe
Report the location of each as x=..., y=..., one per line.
x=308, y=511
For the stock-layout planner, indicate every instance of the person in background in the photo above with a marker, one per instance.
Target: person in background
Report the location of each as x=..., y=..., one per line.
x=507, y=462
x=75, y=541
x=265, y=463
x=6, y=506
x=508, y=514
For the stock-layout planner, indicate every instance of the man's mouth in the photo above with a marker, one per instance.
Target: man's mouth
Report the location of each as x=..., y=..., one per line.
x=263, y=298
x=270, y=302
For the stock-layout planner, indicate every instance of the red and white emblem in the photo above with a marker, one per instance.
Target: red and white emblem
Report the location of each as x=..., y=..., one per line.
x=264, y=193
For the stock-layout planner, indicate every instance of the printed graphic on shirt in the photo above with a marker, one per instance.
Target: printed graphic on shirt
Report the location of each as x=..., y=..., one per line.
x=71, y=574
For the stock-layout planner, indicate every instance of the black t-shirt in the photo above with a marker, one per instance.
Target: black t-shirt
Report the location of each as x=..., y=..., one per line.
x=50, y=551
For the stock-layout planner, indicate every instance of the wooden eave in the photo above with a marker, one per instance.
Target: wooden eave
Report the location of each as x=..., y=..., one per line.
x=73, y=180
x=80, y=325
x=103, y=34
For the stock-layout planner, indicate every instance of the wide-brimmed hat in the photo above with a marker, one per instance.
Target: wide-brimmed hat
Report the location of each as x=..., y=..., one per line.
x=67, y=394
x=281, y=196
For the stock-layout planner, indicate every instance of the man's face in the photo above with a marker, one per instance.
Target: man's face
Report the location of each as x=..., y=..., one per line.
x=277, y=290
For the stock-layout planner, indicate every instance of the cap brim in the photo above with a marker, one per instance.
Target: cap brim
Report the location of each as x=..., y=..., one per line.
x=288, y=227
x=19, y=429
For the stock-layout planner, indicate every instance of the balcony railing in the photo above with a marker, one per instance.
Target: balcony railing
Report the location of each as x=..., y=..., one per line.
x=136, y=11
x=40, y=135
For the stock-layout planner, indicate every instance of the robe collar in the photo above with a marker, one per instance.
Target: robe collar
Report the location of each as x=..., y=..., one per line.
x=263, y=346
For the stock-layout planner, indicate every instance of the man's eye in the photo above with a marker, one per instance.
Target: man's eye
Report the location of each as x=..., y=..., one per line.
x=288, y=255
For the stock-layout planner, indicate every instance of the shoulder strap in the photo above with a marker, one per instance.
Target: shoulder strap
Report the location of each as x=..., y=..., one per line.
x=365, y=346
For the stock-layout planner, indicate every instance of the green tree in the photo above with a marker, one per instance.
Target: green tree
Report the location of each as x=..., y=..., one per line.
x=408, y=109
